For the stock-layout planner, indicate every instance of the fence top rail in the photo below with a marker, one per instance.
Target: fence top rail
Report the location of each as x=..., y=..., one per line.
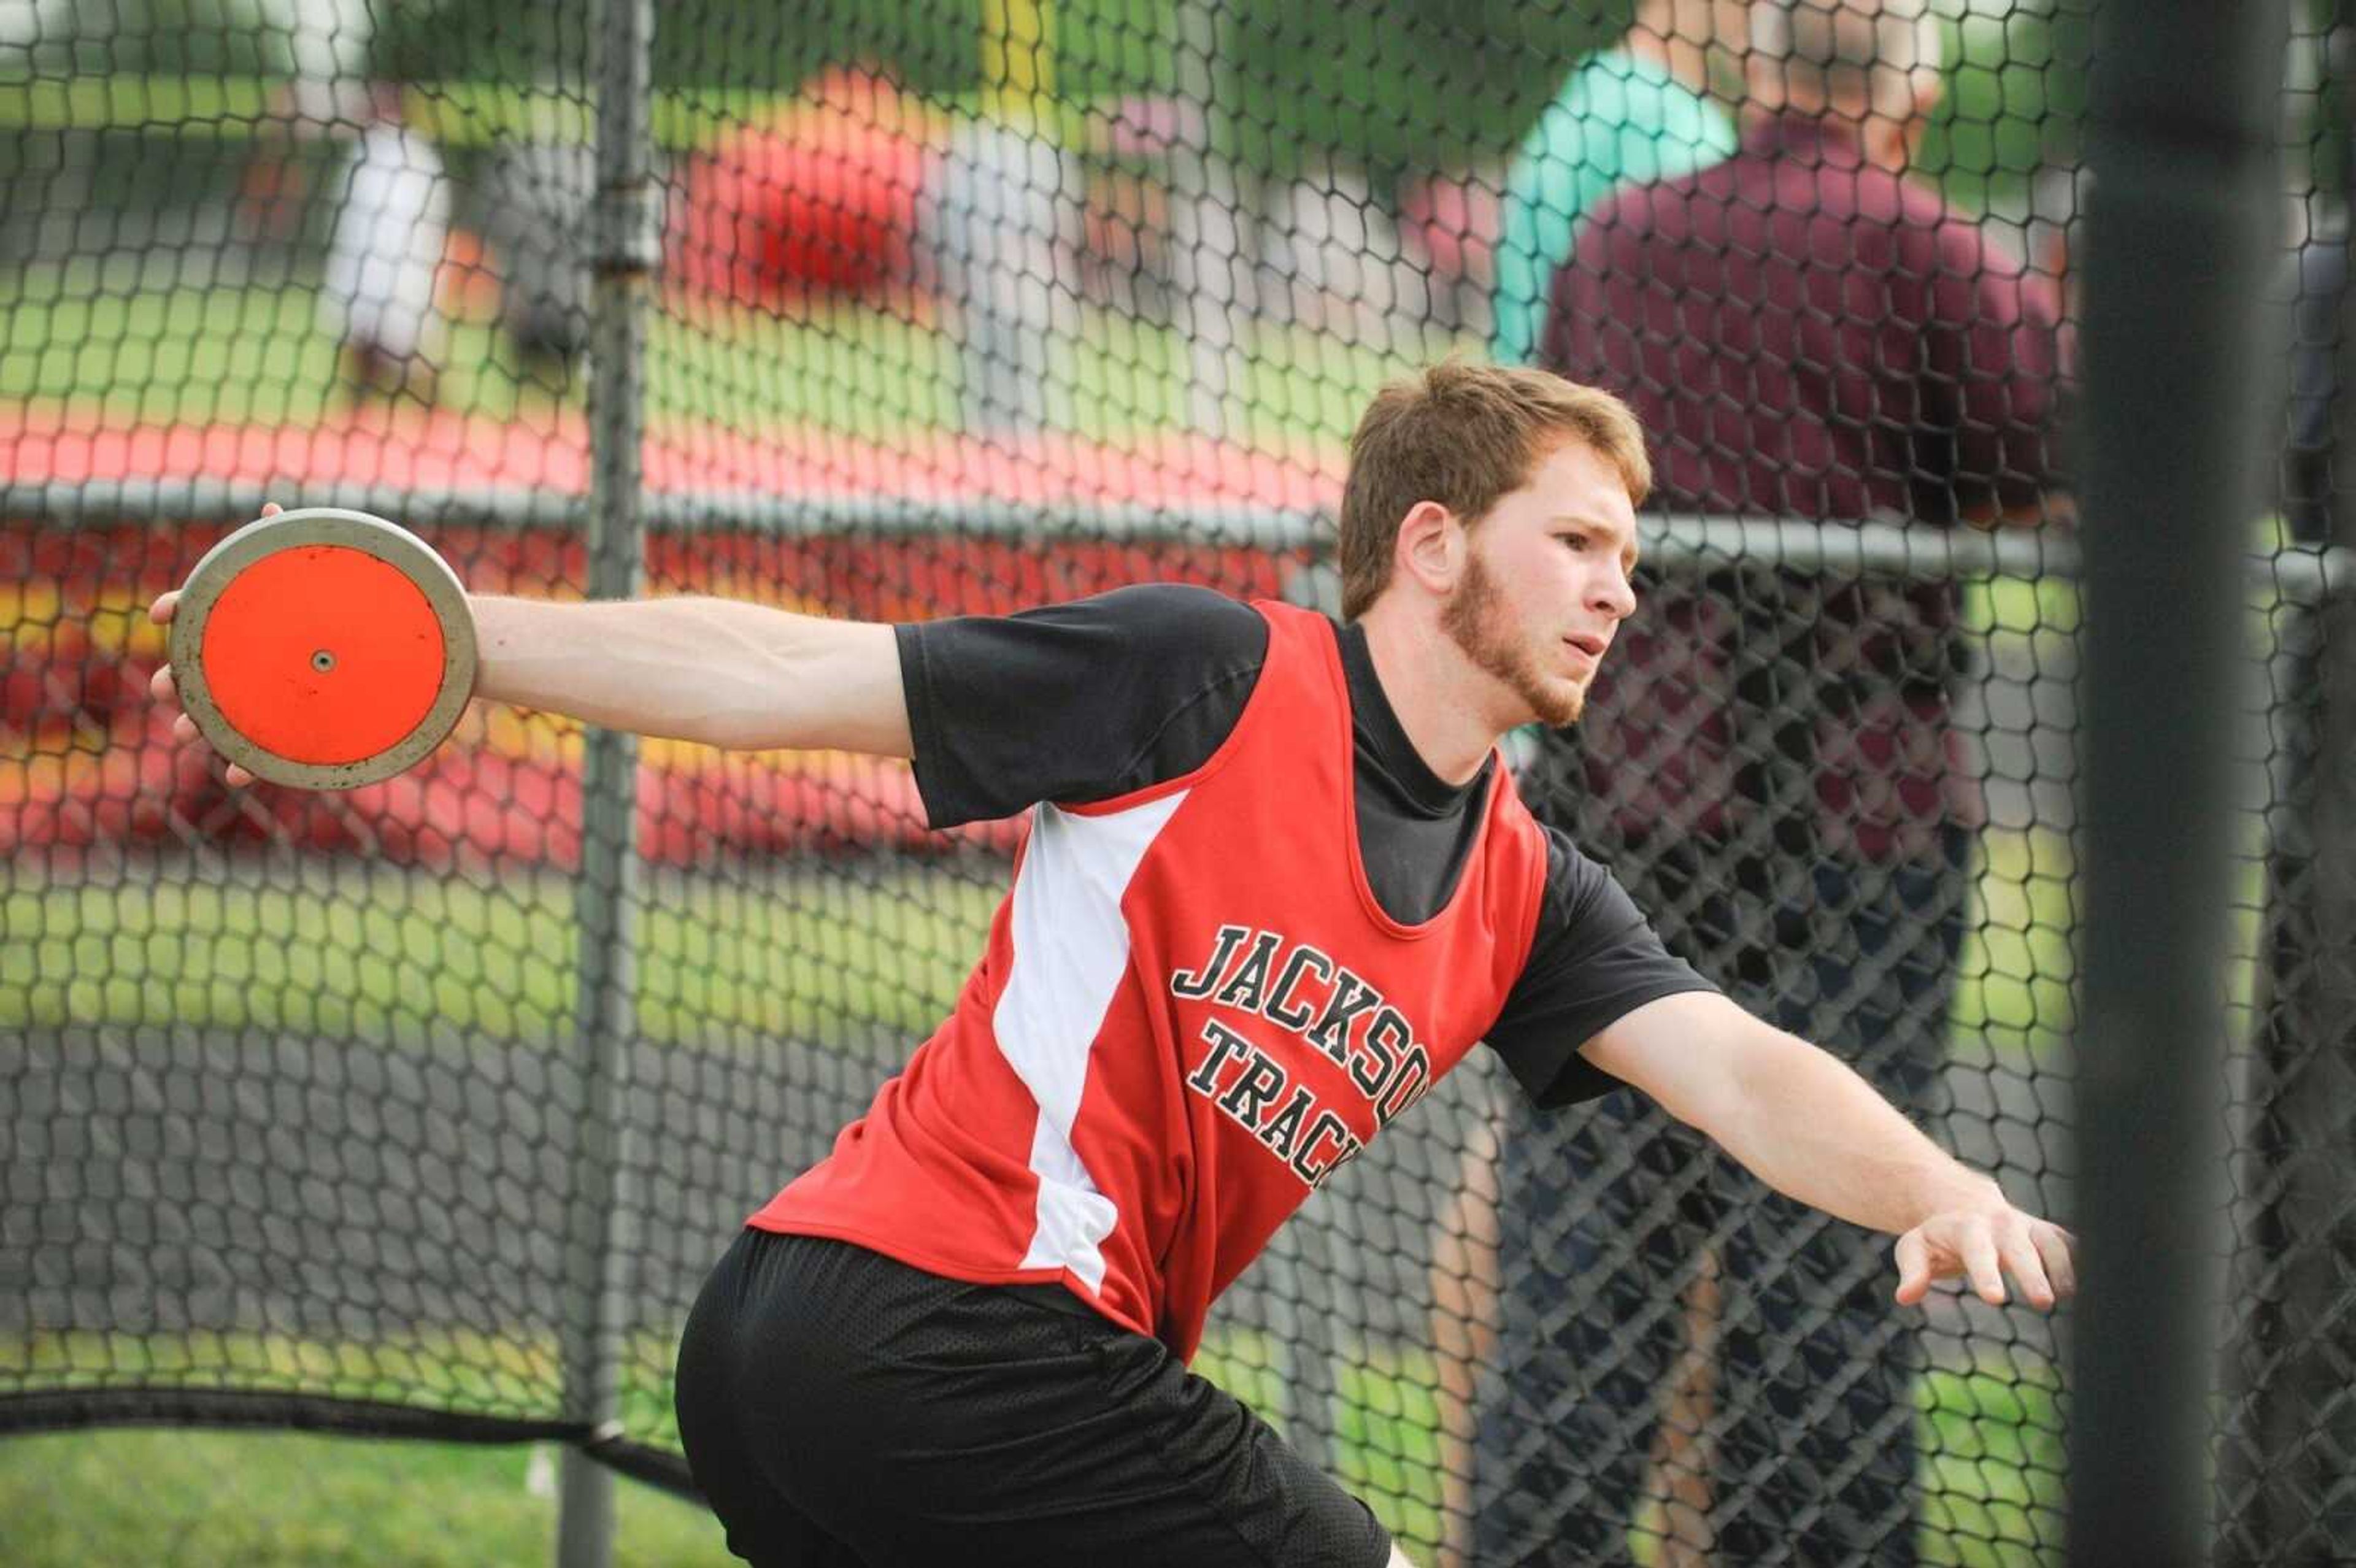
x=1673, y=540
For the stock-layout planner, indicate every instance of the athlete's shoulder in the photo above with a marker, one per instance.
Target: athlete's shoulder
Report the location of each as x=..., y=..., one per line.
x=1186, y=608
x=1576, y=882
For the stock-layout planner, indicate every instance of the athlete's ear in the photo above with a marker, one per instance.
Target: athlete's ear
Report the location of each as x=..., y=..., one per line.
x=1430, y=548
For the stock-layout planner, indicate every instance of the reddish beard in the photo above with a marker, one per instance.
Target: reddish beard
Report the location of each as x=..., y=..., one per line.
x=1476, y=621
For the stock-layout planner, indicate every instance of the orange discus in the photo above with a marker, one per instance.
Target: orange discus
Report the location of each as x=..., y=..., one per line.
x=323, y=648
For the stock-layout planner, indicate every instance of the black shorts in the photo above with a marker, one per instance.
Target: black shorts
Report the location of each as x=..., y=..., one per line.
x=839, y=1409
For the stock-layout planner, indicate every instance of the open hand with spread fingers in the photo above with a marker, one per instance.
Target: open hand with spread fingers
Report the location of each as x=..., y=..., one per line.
x=1983, y=1245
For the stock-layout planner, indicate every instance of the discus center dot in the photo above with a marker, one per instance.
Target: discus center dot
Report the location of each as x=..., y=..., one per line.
x=322, y=661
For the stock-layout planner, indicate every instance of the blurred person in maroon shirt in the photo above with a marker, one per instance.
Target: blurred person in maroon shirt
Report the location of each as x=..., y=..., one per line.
x=1804, y=334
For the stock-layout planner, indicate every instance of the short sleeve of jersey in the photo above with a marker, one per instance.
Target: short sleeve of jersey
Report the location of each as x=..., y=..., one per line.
x=1076, y=702
x=1594, y=959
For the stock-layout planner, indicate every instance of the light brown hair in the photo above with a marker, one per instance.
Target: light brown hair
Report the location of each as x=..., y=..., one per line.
x=1465, y=435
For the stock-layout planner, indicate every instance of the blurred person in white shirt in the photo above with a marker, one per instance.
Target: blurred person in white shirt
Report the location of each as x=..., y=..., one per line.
x=377, y=295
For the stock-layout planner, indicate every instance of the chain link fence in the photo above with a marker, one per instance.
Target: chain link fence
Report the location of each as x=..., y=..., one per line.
x=421, y=1111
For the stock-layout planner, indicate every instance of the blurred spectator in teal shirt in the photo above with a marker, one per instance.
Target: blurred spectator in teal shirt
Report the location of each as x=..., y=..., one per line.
x=1633, y=115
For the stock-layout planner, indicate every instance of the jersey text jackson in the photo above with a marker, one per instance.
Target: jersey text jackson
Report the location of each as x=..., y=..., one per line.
x=1322, y=1003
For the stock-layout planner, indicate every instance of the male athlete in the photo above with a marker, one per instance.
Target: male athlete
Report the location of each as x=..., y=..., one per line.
x=1276, y=884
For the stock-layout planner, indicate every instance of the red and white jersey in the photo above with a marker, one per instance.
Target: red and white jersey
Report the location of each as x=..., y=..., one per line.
x=1191, y=1012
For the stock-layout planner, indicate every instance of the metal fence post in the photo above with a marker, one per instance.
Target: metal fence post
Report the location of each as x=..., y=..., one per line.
x=598, y=1242
x=2181, y=145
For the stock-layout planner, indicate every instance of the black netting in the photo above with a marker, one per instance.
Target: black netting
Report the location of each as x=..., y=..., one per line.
x=953, y=306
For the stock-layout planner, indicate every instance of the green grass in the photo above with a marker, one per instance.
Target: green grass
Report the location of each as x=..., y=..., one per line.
x=1386, y=1441
x=811, y=954
x=99, y=341
x=1993, y=1470
x=2015, y=977
x=118, y=341
x=2015, y=95
x=1991, y=1442
x=454, y=113
x=2018, y=969
x=817, y=953
x=2016, y=984
x=239, y=1497
x=198, y=1498
x=460, y=1372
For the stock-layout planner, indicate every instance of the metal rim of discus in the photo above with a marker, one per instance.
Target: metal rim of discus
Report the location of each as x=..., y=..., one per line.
x=323, y=530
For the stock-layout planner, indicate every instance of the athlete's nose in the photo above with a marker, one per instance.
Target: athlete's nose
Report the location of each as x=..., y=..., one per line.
x=1615, y=594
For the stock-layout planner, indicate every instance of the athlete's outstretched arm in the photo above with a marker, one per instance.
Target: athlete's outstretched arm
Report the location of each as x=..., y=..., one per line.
x=717, y=671
x=1813, y=1129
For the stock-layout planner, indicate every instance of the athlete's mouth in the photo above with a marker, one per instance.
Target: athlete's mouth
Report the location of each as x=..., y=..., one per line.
x=1589, y=644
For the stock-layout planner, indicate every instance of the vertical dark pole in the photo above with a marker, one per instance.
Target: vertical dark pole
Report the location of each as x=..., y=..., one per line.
x=599, y=1244
x=2186, y=208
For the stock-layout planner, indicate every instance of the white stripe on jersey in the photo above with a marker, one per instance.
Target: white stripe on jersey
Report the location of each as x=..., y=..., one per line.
x=1071, y=950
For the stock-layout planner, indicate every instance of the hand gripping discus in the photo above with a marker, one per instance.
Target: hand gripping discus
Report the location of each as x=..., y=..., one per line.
x=323, y=648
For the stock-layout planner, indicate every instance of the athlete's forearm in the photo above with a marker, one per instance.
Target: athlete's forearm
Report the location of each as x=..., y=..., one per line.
x=712, y=670
x=1813, y=1130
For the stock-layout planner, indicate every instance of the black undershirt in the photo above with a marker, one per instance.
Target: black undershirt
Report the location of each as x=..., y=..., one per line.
x=1102, y=697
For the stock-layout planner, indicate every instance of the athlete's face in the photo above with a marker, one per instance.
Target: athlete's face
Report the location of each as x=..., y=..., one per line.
x=1546, y=584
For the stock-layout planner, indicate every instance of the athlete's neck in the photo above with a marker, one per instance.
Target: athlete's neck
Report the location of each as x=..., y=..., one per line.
x=1442, y=700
